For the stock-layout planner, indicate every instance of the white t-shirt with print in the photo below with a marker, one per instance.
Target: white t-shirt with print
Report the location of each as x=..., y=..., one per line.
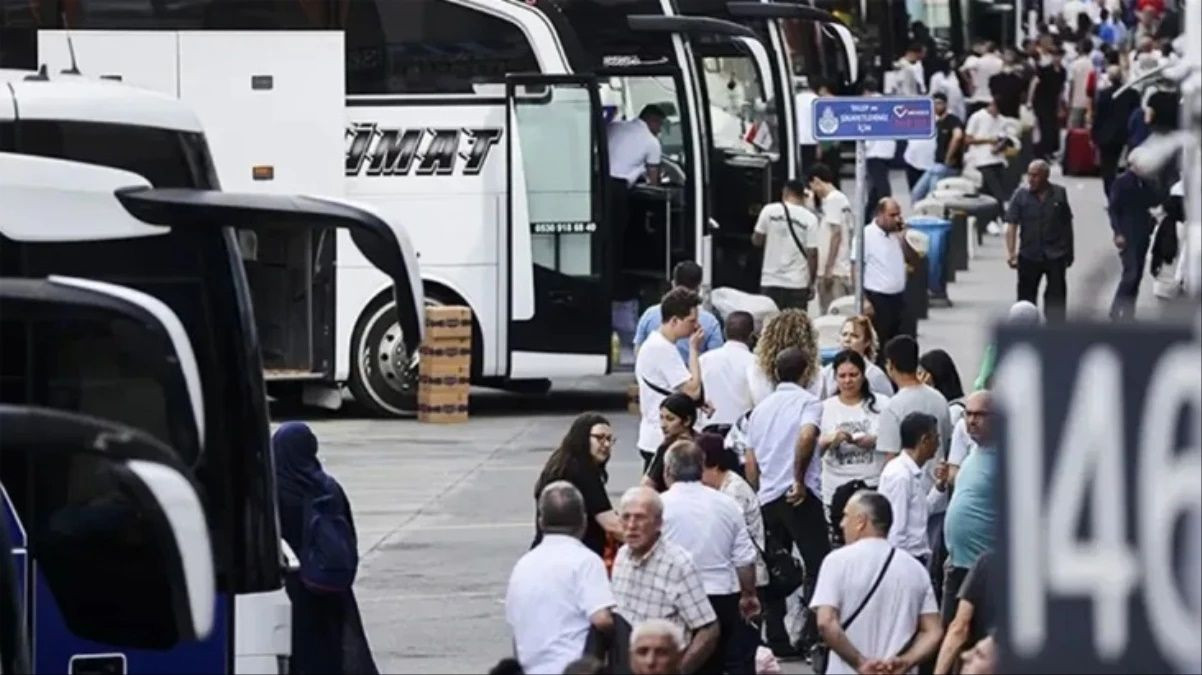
x=659, y=363
x=784, y=265
x=836, y=214
x=846, y=462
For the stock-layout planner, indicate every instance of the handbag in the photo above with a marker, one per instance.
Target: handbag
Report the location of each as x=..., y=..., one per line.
x=822, y=653
x=793, y=234
x=785, y=573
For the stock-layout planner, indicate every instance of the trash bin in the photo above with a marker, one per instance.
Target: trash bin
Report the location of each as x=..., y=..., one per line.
x=827, y=354
x=983, y=207
x=937, y=230
x=917, y=298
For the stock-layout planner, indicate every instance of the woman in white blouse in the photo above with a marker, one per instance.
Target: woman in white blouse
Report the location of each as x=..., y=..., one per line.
x=847, y=437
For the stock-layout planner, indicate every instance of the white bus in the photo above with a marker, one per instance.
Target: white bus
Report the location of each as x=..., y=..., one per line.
x=108, y=199
x=477, y=123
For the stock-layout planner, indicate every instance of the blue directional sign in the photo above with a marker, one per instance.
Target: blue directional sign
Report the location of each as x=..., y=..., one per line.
x=864, y=118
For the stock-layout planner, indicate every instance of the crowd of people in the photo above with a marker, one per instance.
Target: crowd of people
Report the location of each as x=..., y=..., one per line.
x=1078, y=92
x=862, y=488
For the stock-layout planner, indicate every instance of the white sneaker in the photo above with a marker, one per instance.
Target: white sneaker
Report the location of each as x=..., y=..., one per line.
x=993, y=228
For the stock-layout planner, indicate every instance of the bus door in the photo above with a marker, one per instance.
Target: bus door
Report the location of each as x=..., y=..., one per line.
x=120, y=550
x=560, y=249
x=111, y=353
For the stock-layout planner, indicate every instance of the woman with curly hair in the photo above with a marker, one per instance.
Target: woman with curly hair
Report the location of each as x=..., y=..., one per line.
x=790, y=328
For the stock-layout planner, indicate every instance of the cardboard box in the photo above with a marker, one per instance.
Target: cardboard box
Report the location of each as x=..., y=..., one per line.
x=448, y=323
x=442, y=405
x=446, y=358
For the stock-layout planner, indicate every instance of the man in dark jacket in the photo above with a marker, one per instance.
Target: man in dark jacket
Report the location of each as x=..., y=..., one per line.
x=1110, y=117
x=1039, y=239
x=1131, y=199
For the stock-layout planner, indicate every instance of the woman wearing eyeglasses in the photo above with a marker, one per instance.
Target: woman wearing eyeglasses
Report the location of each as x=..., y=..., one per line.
x=580, y=459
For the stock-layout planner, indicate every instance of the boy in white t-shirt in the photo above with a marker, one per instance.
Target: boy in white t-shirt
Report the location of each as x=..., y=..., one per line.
x=834, y=238
x=790, y=258
x=658, y=367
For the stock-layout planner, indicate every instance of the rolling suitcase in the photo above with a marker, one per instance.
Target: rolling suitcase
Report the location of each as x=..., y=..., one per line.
x=1080, y=155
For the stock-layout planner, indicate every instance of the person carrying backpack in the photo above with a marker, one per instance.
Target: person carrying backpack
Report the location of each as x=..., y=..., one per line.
x=316, y=522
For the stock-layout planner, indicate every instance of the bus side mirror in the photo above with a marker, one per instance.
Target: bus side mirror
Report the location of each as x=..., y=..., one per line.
x=114, y=529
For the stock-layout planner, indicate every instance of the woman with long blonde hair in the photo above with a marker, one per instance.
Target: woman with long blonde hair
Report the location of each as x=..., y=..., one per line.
x=790, y=328
x=858, y=335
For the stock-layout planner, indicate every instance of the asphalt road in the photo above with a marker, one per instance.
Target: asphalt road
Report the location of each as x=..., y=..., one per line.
x=444, y=511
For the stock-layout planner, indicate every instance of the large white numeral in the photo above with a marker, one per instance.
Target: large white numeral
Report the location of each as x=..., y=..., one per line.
x=1090, y=455
x=1168, y=489
x=1019, y=393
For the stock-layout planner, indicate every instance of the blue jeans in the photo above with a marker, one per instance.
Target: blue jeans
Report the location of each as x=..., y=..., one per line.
x=926, y=184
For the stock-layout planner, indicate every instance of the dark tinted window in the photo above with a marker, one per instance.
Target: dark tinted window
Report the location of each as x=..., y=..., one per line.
x=97, y=543
x=165, y=158
x=429, y=46
x=92, y=363
x=168, y=14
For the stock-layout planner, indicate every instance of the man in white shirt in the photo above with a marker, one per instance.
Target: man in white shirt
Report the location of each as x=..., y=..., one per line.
x=658, y=368
x=634, y=148
x=834, y=236
x=980, y=68
x=709, y=525
x=805, y=121
x=902, y=484
x=788, y=233
x=1078, y=85
x=900, y=612
x=986, y=136
x=781, y=436
x=558, y=590
x=886, y=253
x=724, y=373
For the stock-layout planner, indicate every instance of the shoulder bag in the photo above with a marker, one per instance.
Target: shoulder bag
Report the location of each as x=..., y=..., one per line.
x=785, y=573
x=822, y=653
x=797, y=241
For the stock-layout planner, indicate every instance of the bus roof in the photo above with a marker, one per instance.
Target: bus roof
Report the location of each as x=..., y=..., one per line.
x=82, y=99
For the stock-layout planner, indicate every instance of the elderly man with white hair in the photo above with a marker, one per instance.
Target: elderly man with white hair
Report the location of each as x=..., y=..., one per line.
x=654, y=578
x=656, y=648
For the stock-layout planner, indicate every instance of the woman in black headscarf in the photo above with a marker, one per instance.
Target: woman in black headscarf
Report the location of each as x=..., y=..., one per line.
x=327, y=632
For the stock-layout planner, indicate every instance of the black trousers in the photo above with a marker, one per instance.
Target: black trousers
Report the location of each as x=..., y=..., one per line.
x=878, y=184
x=1125, y=295
x=993, y=182
x=803, y=525
x=1049, y=132
x=1031, y=272
x=912, y=176
x=737, y=639
x=1108, y=161
x=786, y=298
x=619, y=221
x=888, y=314
x=809, y=156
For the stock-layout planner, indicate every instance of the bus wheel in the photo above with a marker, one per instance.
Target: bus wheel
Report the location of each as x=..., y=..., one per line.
x=383, y=373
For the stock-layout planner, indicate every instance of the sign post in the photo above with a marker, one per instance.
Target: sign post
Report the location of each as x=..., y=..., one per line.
x=869, y=118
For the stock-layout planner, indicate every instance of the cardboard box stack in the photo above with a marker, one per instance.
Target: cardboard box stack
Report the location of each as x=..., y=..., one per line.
x=444, y=371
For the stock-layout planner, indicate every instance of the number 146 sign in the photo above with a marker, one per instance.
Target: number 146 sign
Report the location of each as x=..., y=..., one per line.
x=1100, y=498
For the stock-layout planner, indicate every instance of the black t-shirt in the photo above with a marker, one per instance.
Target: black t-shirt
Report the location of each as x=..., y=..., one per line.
x=1007, y=90
x=944, y=129
x=596, y=501
x=1050, y=87
x=976, y=590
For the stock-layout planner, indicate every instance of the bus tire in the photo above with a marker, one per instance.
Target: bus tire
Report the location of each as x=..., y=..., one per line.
x=383, y=376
